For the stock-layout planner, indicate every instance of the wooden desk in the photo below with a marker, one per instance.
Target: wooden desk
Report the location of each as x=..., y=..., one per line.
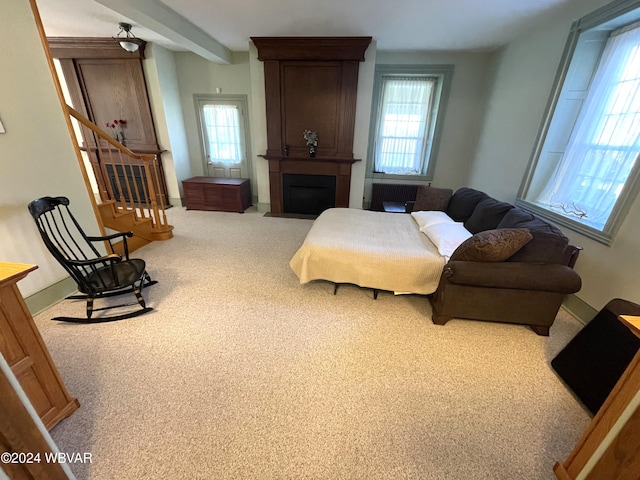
x=221, y=194
x=610, y=447
x=26, y=353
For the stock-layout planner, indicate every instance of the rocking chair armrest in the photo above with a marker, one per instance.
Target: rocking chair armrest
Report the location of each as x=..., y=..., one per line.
x=111, y=258
x=113, y=236
x=110, y=237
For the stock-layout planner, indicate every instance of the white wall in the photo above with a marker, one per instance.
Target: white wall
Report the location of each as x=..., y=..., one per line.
x=464, y=113
x=199, y=76
x=166, y=107
x=246, y=76
x=36, y=154
x=524, y=74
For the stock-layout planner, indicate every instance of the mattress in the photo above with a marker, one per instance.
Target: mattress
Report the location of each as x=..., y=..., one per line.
x=378, y=250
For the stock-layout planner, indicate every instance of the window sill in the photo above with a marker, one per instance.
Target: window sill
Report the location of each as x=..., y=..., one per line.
x=605, y=238
x=392, y=176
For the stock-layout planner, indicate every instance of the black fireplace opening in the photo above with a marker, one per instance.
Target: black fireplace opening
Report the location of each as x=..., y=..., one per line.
x=308, y=194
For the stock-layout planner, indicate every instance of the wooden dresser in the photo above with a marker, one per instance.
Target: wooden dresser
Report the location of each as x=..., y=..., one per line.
x=221, y=194
x=26, y=353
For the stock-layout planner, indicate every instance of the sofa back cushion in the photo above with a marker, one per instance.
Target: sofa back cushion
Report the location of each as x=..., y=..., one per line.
x=548, y=245
x=463, y=202
x=487, y=215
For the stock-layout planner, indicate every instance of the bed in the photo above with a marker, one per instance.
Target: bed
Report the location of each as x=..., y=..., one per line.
x=378, y=250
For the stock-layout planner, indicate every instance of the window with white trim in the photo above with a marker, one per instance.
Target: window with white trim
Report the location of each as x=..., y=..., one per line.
x=221, y=124
x=406, y=121
x=585, y=170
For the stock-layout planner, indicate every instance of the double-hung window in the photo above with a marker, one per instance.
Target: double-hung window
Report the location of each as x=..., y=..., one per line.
x=407, y=114
x=585, y=168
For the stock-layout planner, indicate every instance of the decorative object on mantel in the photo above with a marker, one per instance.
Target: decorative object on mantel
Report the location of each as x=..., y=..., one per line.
x=129, y=42
x=312, y=141
x=116, y=130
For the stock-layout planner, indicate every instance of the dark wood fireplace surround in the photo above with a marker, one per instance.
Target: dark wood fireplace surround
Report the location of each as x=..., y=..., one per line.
x=310, y=84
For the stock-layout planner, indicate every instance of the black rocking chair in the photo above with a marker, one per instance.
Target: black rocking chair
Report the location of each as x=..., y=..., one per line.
x=97, y=276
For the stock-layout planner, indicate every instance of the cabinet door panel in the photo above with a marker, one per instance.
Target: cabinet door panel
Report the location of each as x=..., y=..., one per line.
x=115, y=90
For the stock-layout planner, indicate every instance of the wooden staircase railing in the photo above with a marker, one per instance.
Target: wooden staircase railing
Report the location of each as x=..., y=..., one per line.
x=126, y=204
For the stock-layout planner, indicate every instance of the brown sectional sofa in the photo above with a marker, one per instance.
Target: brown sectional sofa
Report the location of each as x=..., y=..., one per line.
x=527, y=288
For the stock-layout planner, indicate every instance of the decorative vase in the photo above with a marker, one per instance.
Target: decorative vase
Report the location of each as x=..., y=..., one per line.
x=312, y=151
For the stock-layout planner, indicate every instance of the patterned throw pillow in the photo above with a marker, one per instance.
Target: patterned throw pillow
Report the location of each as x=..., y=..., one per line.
x=492, y=245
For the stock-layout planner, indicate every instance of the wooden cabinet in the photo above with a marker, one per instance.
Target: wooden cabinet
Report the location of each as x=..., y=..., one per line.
x=26, y=353
x=221, y=194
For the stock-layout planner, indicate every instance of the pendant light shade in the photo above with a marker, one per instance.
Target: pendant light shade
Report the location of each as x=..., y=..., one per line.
x=129, y=42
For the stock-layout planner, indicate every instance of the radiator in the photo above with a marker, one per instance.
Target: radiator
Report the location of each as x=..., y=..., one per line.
x=391, y=192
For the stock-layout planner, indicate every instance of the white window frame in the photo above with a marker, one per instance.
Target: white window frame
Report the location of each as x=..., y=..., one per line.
x=586, y=41
x=443, y=75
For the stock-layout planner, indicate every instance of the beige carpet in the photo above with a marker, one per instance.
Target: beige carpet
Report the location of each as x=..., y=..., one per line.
x=242, y=373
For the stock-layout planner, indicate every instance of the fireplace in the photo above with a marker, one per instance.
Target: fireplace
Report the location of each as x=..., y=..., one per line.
x=308, y=194
x=311, y=83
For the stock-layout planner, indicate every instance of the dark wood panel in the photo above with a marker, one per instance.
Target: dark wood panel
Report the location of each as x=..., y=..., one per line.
x=312, y=102
x=311, y=48
x=115, y=89
x=90, y=47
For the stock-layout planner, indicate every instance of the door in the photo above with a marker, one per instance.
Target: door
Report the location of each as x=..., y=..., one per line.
x=223, y=135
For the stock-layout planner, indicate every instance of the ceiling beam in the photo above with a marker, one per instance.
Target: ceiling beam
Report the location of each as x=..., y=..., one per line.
x=156, y=16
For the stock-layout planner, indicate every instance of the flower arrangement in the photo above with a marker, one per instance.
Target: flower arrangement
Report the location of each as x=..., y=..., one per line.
x=311, y=138
x=116, y=129
x=312, y=141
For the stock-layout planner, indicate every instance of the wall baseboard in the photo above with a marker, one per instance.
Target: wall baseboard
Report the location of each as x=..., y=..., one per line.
x=40, y=301
x=583, y=312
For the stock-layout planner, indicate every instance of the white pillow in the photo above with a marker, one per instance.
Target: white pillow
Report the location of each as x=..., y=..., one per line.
x=446, y=236
x=424, y=218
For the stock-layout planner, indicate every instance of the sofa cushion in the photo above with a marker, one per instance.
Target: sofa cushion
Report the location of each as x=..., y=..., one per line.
x=463, y=202
x=432, y=198
x=545, y=247
x=518, y=218
x=548, y=245
x=487, y=215
x=492, y=245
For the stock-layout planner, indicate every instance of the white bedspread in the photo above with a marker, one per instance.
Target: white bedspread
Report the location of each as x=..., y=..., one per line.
x=378, y=250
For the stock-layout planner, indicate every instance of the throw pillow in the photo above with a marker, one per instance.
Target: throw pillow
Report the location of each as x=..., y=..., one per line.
x=492, y=245
x=432, y=198
x=424, y=219
x=446, y=236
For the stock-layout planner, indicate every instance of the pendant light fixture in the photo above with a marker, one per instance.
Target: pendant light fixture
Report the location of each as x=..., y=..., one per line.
x=129, y=42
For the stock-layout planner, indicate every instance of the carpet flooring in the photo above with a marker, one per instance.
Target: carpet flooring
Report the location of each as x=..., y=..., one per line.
x=240, y=372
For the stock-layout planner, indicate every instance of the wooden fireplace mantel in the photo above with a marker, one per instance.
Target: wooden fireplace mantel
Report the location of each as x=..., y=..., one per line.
x=311, y=83
x=311, y=160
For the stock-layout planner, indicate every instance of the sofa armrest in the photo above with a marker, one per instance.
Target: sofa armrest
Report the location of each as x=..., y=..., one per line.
x=514, y=275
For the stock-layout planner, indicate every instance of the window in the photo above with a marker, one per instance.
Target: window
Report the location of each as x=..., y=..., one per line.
x=406, y=119
x=223, y=130
x=584, y=170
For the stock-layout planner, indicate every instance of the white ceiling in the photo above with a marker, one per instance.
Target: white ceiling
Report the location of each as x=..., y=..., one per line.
x=226, y=25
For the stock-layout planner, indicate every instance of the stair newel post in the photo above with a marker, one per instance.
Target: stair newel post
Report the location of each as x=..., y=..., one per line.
x=146, y=159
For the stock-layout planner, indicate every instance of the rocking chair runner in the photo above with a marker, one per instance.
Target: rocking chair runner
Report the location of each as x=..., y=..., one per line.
x=97, y=276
